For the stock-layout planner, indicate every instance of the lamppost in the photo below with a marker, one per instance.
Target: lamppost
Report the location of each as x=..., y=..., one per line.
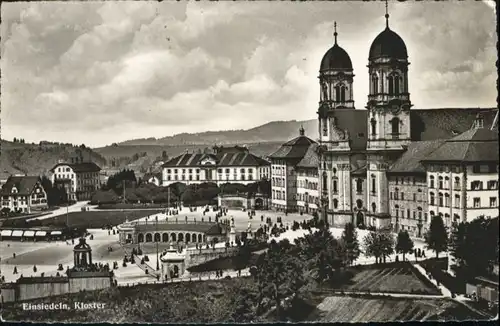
x=157, y=259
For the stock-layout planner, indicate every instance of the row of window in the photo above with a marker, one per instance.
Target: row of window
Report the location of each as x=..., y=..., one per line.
x=408, y=180
x=220, y=171
x=278, y=170
x=279, y=195
x=307, y=184
x=394, y=81
x=476, y=168
x=278, y=182
x=397, y=195
x=418, y=214
x=190, y=177
x=307, y=198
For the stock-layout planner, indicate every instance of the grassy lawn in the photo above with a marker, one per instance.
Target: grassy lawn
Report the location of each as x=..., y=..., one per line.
x=437, y=269
x=98, y=219
x=393, y=277
x=360, y=309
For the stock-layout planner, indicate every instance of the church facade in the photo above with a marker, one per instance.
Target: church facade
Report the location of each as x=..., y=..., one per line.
x=375, y=166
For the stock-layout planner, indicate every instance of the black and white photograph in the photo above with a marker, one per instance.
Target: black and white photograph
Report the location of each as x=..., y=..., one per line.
x=180, y=162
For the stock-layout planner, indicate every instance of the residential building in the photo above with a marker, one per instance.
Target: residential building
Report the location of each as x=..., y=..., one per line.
x=462, y=175
x=24, y=193
x=80, y=180
x=284, y=178
x=225, y=165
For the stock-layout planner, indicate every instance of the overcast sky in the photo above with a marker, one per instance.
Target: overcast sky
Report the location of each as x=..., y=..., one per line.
x=98, y=73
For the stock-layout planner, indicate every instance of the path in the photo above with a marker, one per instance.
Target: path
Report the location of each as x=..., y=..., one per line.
x=61, y=211
x=441, y=287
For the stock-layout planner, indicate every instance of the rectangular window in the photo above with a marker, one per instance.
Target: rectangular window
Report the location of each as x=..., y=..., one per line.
x=457, y=201
x=227, y=171
x=477, y=202
x=219, y=171
x=402, y=196
x=414, y=197
x=190, y=171
x=476, y=185
x=408, y=213
x=493, y=202
x=492, y=185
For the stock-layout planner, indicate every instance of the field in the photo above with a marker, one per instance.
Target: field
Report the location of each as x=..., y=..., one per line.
x=394, y=277
x=360, y=309
x=98, y=219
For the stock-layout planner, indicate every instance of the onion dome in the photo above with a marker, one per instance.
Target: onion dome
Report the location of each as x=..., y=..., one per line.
x=336, y=58
x=388, y=44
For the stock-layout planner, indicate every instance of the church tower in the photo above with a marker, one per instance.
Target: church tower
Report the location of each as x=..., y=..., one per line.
x=388, y=115
x=336, y=94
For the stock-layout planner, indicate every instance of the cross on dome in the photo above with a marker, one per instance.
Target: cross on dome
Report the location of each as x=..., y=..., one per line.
x=335, y=31
x=386, y=14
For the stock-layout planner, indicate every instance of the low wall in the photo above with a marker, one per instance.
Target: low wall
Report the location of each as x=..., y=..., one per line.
x=31, y=288
x=197, y=257
x=41, y=290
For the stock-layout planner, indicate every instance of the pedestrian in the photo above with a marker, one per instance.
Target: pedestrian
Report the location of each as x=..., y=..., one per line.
x=15, y=270
x=14, y=255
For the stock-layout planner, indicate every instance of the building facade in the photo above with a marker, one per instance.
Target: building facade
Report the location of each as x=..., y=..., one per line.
x=391, y=165
x=80, y=180
x=224, y=165
x=23, y=193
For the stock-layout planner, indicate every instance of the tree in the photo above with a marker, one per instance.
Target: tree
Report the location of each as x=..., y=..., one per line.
x=474, y=246
x=379, y=245
x=15, y=140
x=436, y=237
x=350, y=243
x=404, y=244
x=321, y=254
x=278, y=274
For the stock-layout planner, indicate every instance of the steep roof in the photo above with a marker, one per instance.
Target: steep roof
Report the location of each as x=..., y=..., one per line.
x=80, y=167
x=294, y=149
x=310, y=159
x=223, y=158
x=417, y=151
x=431, y=124
x=476, y=144
x=24, y=185
x=150, y=175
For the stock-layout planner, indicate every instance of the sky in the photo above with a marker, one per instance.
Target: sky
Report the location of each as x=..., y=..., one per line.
x=104, y=72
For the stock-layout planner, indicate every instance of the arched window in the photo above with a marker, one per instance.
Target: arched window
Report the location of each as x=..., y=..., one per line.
x=374, y=207
x=374, y=185
x=431, y=179
x=335, y=186
x=340, y=91
x=375, y=84
x=395, y=126
x=334, y=170
x=432, y=198
x=457, y=183
x=441, y=200
x=440, y=182
x=373, y=122
x=325, y=182
x=359, y=203
x=447, y=200
x=396, y=194
x=325, y=127
x=396, y=85
x=391, y=85
x=335, y=203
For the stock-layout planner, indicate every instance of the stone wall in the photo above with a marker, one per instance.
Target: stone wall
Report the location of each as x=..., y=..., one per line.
x=198, y=257
x=41, y=290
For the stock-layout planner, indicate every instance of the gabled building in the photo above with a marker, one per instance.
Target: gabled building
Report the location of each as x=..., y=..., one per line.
x=23, y=193
x=224, y=165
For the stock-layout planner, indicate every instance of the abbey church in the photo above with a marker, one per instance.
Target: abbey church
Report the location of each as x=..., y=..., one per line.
x=388, y=164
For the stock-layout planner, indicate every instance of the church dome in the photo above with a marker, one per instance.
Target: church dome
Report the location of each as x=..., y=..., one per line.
x=336, y=58
x=388, y=44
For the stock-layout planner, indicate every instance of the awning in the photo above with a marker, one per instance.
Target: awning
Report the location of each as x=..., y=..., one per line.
x=40, y=233
x=17, y=233
x=6, y=233
x=55, y=233
x=29, y=233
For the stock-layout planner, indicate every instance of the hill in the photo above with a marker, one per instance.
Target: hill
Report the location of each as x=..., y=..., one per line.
x=38, y=159
x=275, y=131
